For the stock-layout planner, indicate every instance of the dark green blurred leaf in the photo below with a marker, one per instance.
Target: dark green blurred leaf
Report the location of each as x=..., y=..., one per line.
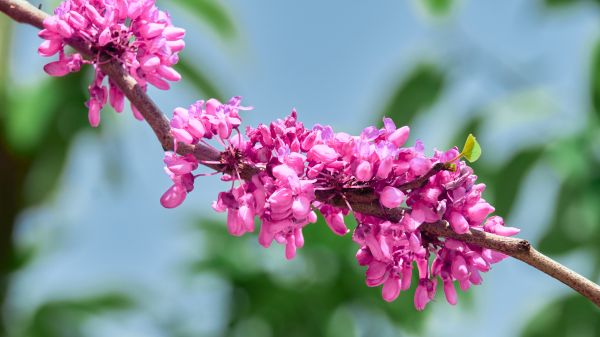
x=438, y=7
x=559, y=3
x=213, y=13
x=5, y=36
x=54, y=121
x=563, y=3
x=29, y=119
x=576, y=221
x=570, y=316
x=65, y=318
x=198, y=79
x=417, y=92
x=509, y=178
x=595, y=81
x=341, y=324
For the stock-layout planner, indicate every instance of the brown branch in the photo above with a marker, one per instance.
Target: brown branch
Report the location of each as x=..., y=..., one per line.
x=421, y=181
x=363, y=201
x=522, y=250
x=23, y=11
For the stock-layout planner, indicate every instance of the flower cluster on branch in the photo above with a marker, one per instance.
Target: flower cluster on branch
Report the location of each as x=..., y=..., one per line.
x=295, y=162
x=133, y=32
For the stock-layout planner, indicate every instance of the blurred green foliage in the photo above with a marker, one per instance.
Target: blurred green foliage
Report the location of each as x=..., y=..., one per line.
x=439, y=7
x=212, y=13
x=198, y=79
x=65, y=318
x=417, y=92
x=563, y=3
x=568, y=316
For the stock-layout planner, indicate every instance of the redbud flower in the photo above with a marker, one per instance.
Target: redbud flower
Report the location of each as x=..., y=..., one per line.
x=294, y=163
x=391, y=197
x=133, y=32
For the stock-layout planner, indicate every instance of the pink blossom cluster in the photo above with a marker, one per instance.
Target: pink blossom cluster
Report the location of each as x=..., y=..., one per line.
x=299, y=171
x=133, y=32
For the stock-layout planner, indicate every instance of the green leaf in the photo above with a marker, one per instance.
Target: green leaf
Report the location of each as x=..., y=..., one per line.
x=28, y=120
x=595, y=81
x=198, y=79
x=559, y=3
x=471, y=151
x=438, y=7
x=415, y=93
x=67, y=317
x=570, y=316
x=212, y=13
x=508, y=178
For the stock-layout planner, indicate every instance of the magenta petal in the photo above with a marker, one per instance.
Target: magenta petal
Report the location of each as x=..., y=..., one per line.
x=290, y=248
x=391, y=289
x=450, y=292
x=174, y=33
x=336, y=223
x=117, y=99
x=173, y=197
x=399, y=136
x=298, y=238
x=364, y=171
x=322, y=154
x=234, y=225
x=391, y=197
x=94, y=112
x=158, y=82
x=50, y=47
x=301, y=207
x=458, y=223
x=460, y=271
x=479, y=212
x=57, y=68
x=196, y=128
x=169, y=73
x=363, y=256
x=421, y=297
x=247, y=218
x=105, y=37
x=406, y=278
x=376, y=270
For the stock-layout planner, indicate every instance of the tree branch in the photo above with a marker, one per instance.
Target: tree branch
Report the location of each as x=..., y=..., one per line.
x=363, y=201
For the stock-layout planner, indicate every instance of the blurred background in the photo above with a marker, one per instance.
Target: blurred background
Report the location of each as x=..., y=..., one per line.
x=87, y=250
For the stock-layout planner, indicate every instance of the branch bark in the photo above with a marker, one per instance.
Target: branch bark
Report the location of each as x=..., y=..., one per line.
x=363, y=201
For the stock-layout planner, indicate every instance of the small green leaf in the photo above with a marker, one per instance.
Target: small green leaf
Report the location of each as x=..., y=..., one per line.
x=471, y=151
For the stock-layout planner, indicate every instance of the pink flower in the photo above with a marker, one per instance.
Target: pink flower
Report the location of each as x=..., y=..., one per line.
x=391, y=197
x=295, y=164
x=322, y=153
x=134, y=33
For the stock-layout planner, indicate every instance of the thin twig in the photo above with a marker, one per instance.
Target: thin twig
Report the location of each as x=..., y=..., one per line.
x=362, y=200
